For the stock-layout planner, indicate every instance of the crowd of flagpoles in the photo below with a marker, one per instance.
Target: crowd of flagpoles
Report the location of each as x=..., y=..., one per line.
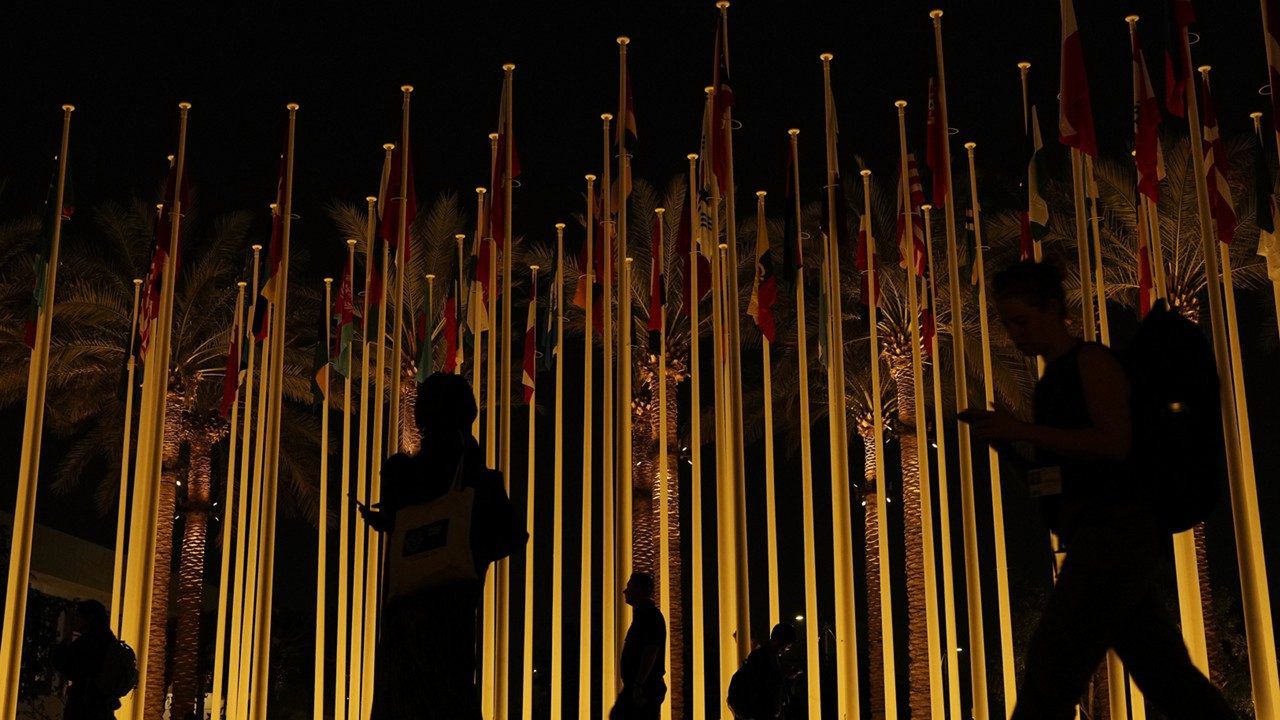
x=241, y=672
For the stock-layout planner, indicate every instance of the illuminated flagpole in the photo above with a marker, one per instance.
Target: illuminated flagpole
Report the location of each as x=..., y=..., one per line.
x=1005, y=628
x=489, y=626
x=262, y=639
x=117, y=572
x=771, y=519
x=140, y=567
x=322, y=516
x=1258, y=625
x=557, y=540
x=842, y=520
x=944, y=501
x=460, y=354
x=725, y=567
x=812, y=658
x=229, y=538
x=881, y=484
x=1148, y=209
x=922, y=442
x=394, y=440
x=1099, y=283
x=345, y=491
x=664, y=466
x=608, y=588
x=530, y=519
x=624, y=488
x=585, y=596
x=973, y=582
x=235, y=674
x=502, y=589
x=696, y=622
x=475, y=305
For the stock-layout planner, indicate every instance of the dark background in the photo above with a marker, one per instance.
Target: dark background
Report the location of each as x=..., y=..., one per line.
x=126, y=66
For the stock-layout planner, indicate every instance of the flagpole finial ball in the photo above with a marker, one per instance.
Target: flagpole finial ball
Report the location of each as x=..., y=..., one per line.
x=388, y=146
x=406, y=89
x=351, y=242
x=793, y=132
x=184, y=106
x=1204, y=69
x=138, y=281
x=481, y=191
x=68, y=108
x=623, y=40
x=459, y=236
x=723, y=4
x=535, y=268
x=508, y=67
x=370, y=199
x=591, y=178
x=659, y=210
x=559, y=226
x=865, y=173
x=926, y=207
x=724, y=246
x=606, y=116
x=900, y=104
x=239, y=284
x=970, y=145
x=935, y=14
x=431, y=276
x=630, y=260
x=691, y=156
x=708, y=89
x=328, y=281
x=1255, y=115
x=257, y=247
x=291, y=107
x=761, y=193
x=1024, y=65
x=826, y=57
x=493, y=137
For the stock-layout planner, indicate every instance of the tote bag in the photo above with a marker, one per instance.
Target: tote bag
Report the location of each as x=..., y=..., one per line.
x=431, y=545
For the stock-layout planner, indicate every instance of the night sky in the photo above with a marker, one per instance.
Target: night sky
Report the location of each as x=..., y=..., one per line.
x=126, y=66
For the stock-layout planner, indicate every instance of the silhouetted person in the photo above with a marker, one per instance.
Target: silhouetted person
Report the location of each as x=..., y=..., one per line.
x=1106, y=594
x=641, y=665
x=426, y=656
x=82, y=661
x=758, y=690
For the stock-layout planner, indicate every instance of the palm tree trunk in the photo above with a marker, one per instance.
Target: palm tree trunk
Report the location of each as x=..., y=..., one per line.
x=187, y=688
x=410, y=439
x=170, y=474
x=871, y=546
x=913, y=532
x=1212, y=639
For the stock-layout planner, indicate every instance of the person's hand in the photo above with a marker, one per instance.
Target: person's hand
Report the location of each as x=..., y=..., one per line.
x=994, y=426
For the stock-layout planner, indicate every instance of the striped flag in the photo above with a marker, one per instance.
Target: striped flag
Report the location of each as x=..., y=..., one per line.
x=870, y=283
x=684, y=249
x=424, y=332
x=1179, y=17
x=40, y=289
x=764, y=287
x=1216, y=170
x=722, y=102
x=501, y=174
x=657, y=287
x=1035, y=216
x=1146, y=127
x=1075, y=114
x=911, y=250
x=159, y=255
x=1146, y=279
x=936, y=136
x=397, y=193
x=1265, y=207
x=343, y=321
x=529, y=376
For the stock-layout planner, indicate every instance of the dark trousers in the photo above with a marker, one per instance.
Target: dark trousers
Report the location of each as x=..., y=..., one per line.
x=1105, y=598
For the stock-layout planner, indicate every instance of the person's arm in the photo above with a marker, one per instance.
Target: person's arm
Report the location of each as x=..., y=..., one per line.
x=1106, y=390
x=648, y=658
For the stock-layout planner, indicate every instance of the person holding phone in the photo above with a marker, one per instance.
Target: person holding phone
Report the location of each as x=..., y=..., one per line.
x=1105, y=596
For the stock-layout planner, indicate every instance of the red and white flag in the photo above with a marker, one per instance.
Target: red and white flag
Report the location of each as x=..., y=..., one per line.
x=1146, y=282
x=911, y=252
x=1075, y=115
x=1146, y=127
x=529, y=375
x=1216, y=170
x=1177, y=65
x=870, y=270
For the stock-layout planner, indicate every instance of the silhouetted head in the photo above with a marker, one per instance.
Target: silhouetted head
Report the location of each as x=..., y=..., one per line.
x=639, y=589
x=1032, y=306
x=90, y=615
x=782, y=637
x=446, y=405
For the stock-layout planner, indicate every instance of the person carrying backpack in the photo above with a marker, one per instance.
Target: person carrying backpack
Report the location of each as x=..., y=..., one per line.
x=758, y=690
x=98, y=668
x=444, y=517
x=1095, y=496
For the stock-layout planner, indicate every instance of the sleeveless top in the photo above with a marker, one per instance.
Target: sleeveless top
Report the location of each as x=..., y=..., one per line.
x=1091, y=489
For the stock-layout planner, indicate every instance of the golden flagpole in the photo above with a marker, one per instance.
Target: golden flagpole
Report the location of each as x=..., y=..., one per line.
x=530, y=519
x=340, y=673
x=733, y=311
x=881, y=485
x=503, y=576
x=696, y=622
x=1005, y=629
x=664, y=466
x=842, y=520
x=460, y=341
x=476, y=302
x=122, y=510
x=1082, y=245
x=973, y=581
x=237, y=668
x=489, y=627
x=944, y=501
x=725, y=567
x=229, y=538
x=608, y=589
x=322, y=515
x=1099, y=283
x=557, y=532
x=394, y=441
x=813, y=674
x=922, y=442
x=1146, y=207
x=588, y=422
x=262, y=639
x=622, y=480
x=362, y=533
x=140, y=568
x=771, y=510
x=1254, y=596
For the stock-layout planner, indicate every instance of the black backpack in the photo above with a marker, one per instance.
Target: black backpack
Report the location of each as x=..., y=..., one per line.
x=119, y=674
x=1179, y=454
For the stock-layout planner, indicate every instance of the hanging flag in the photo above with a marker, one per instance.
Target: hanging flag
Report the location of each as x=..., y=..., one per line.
x=970, y=246
x=657, y=287
x=723, y=100
x=1177, y=19
x=231, y=375
x=870, y=281
x=684, y=249
x=159, y=256
x=937, y=140
x=626, y=126
x=928, y=321
x=708, y=185
x=395, y=194
x=1216, y=170
x=1035, y=216
x=1265, y=207
x=911, y=250
x=529, y=376
x=792, y=250
x=1273, y=55
x=44, y=248
x=375, y=326
x=478, y=281
x=343, y=322
x=275, y=247
x=1146, y=127
x=424, y=332
x=501, y=174
x=547, y=331
x=764, y=288
x=824, y=305
x=453, y=328
x=1146, y=279
x=320, y=361
x=1075, y=115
